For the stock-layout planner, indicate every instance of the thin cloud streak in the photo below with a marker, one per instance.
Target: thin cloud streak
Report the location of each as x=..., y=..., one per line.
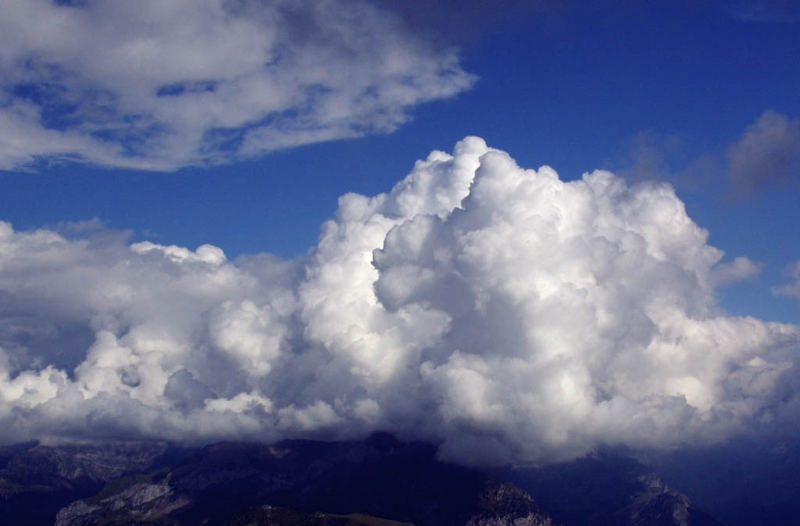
x=765, y=11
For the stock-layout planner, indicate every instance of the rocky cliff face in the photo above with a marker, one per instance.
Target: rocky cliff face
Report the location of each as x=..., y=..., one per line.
x=138, y=503
x=507, y=505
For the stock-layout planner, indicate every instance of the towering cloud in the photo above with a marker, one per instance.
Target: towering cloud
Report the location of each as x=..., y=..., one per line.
x=505, y=313
x=160, y=85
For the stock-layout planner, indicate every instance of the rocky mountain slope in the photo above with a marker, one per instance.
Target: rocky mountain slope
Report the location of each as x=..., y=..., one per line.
x=36, y=481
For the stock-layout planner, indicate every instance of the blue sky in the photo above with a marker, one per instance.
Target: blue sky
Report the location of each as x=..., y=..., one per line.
x=571, y=86
x=367, y=283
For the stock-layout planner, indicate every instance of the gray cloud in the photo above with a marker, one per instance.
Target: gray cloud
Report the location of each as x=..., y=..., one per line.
x=160, y=85
x=767, y=153
x=460, y=21
x=509, y=315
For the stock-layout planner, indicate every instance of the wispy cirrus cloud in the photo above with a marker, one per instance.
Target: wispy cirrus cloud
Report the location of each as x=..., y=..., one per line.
x=160, y=85
x=765, y=11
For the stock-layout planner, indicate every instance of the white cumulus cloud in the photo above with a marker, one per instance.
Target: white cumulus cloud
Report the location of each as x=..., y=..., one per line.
x=506, y=314
x=158, y=84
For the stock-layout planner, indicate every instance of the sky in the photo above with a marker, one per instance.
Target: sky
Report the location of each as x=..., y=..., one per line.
x=559, y=225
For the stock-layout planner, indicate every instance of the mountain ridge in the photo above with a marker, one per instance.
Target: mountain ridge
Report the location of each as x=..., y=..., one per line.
x=313, y=482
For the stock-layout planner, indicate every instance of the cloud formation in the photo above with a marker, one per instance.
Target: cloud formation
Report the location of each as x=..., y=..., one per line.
x=509, y=315
x=160, y=85
x=767, y=153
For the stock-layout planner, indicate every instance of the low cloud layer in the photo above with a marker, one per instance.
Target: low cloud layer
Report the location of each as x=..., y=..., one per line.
x=505, y=313
x=160, y=85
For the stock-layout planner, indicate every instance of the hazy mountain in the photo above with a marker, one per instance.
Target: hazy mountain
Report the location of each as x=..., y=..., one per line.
x=608, y=489
x=745, y=482
x=379, y=481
